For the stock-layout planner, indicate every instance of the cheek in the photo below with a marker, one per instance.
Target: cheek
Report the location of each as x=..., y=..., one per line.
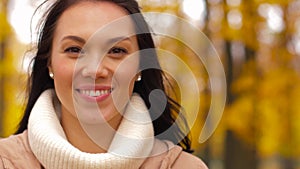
x=63, y=74
x=126, y=72
x=123, y=80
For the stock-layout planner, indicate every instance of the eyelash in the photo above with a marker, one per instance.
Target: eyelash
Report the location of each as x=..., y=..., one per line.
x=117, y=51
x=73, y=50
x=112, y=51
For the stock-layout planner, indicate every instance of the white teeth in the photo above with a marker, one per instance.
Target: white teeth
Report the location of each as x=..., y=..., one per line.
x=95, y=93
x=92, y=93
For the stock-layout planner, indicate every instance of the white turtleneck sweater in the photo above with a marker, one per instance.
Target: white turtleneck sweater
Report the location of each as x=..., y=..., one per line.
x=130, y=146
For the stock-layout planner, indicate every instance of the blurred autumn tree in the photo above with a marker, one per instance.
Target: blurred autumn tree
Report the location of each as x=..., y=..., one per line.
x=3, y=42
x=10, y=77
x=259, y=43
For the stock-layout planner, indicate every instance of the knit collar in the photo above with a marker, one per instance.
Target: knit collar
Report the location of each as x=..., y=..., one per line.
x=49, y=144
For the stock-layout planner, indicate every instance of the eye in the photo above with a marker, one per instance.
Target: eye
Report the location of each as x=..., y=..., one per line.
x=117, y=51
x=73, y=49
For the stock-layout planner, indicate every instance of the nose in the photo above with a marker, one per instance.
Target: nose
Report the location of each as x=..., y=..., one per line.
x=95, y=70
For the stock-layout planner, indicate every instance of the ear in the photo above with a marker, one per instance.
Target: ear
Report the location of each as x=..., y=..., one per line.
x=50, y=68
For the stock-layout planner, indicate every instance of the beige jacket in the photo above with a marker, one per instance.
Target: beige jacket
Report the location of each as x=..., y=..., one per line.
x=15, y=153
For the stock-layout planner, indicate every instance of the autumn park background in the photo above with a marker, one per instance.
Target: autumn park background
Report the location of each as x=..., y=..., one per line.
x=258, y=42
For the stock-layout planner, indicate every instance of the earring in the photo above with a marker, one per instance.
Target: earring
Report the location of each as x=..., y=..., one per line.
x=139, y=78
x=51, y=75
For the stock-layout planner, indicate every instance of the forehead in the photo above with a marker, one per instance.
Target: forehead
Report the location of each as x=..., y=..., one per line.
x=86, y=17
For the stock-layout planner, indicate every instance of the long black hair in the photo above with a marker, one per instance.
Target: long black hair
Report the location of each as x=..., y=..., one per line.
x=39, y=80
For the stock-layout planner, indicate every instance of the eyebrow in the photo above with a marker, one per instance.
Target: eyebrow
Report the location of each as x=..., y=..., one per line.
x=118, y=39
x=110, y=41
x=75, y=38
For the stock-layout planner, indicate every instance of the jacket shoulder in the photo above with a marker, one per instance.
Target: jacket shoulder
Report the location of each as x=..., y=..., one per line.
x=172, y=157
x=15, y=152
x=6, y=164
x=188, y=161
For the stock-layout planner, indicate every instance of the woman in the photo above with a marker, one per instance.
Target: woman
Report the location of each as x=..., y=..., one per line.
x=86, y=111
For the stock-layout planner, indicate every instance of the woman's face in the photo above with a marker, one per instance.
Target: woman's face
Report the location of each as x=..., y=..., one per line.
x=95, y=85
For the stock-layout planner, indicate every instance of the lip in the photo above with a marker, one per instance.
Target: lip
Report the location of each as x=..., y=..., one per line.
x=94, y=93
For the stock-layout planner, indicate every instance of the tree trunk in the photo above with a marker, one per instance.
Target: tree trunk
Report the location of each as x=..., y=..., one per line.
x=239, y=155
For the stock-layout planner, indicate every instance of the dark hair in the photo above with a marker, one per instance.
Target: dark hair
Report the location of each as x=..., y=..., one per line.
x=39, y=80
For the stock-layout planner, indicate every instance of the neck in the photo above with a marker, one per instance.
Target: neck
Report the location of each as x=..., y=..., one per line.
x=99, y=136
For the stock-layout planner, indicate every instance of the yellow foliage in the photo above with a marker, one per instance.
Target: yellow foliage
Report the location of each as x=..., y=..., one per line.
x=10, y=80
x=280, y=2
x=4, y=26
x=268, y=106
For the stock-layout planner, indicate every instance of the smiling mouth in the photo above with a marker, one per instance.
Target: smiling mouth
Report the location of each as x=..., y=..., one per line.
x=94, y=93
